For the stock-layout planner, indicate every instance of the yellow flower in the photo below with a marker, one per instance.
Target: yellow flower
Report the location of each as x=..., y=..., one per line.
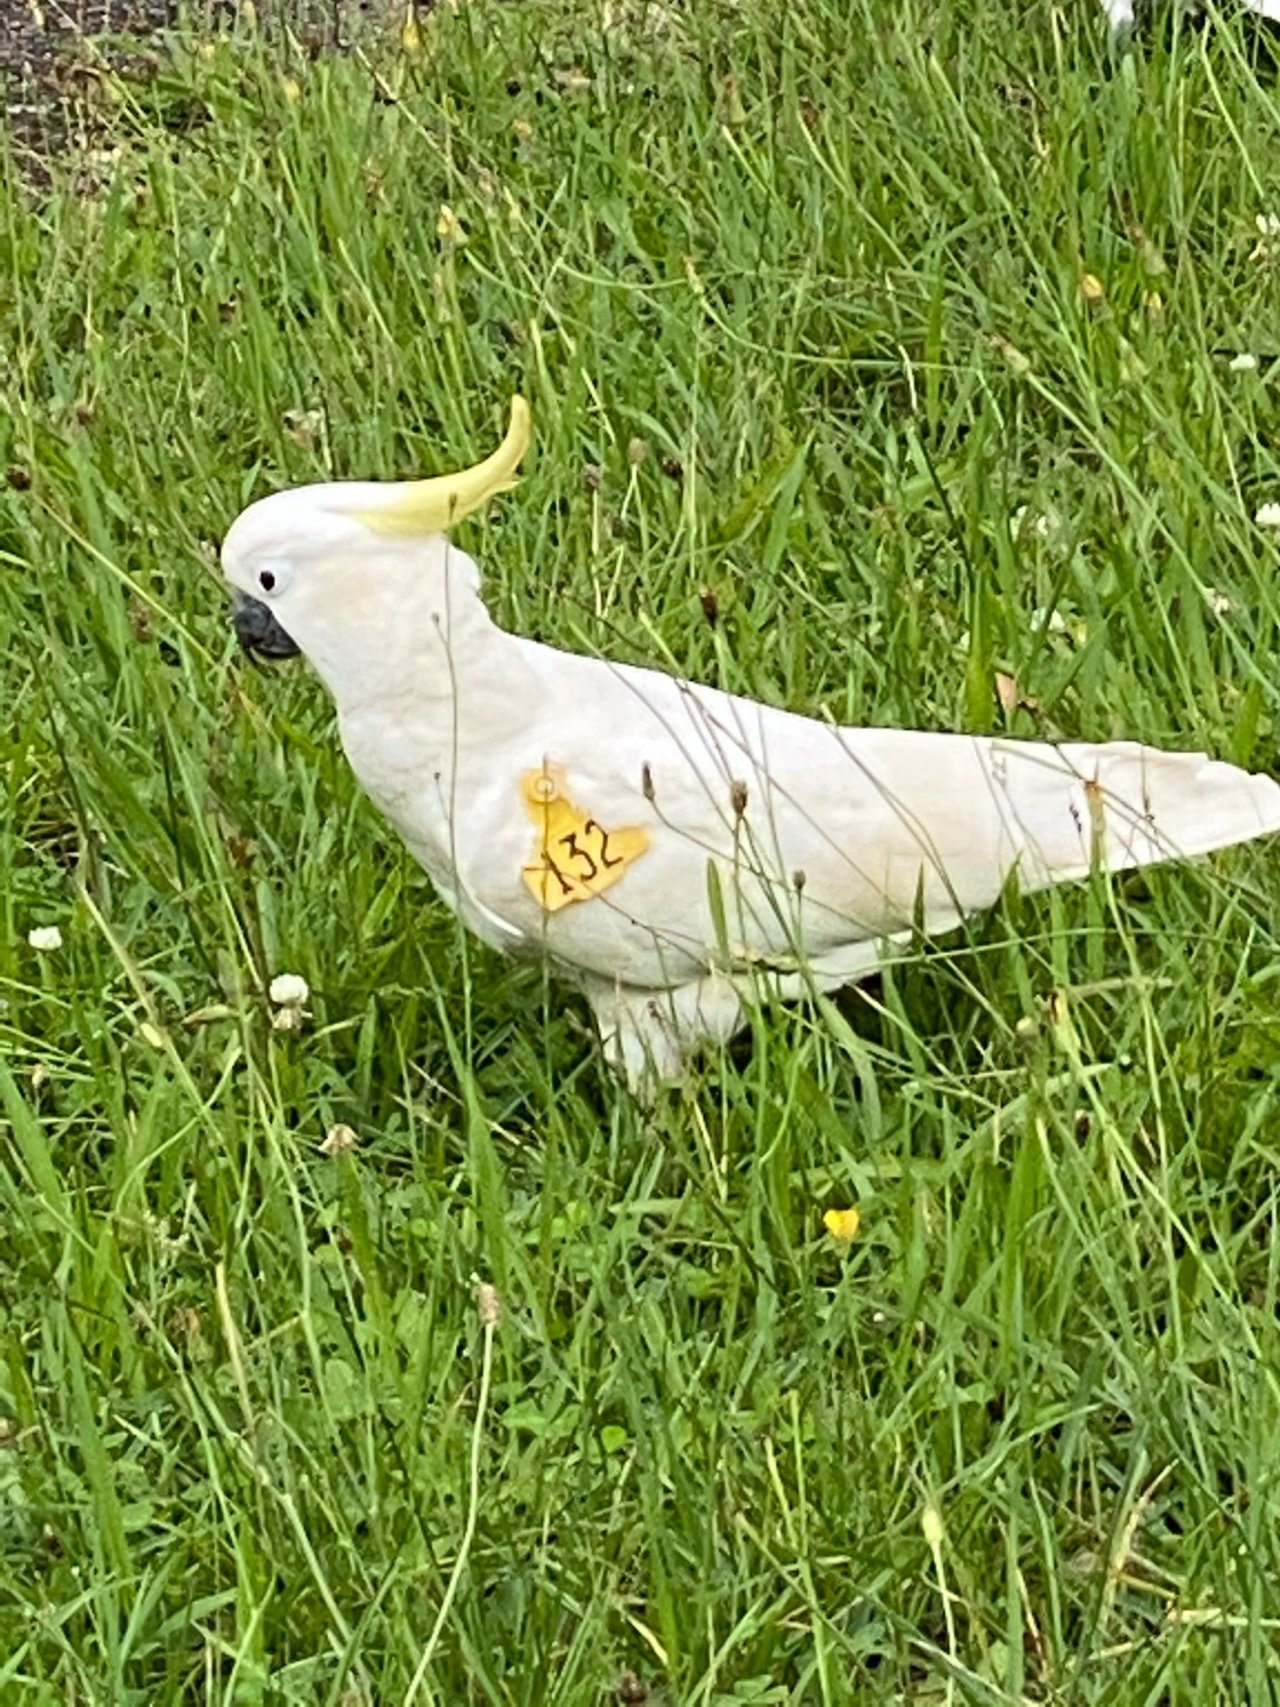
x=842, y=1224
x=934, y=1531
x=449, y=226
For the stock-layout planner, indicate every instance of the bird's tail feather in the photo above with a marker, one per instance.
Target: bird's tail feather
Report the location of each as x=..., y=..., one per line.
x=1130, y=806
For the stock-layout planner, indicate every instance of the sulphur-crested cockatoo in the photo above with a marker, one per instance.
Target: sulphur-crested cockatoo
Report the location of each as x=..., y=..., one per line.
x=666, y=845
x=1120, y=13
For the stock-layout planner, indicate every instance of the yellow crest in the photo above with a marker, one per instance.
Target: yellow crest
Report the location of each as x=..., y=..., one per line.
x=575, y=857
x=415, y=508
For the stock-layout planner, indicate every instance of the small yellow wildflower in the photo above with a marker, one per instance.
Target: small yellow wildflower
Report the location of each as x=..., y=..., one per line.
x=842, y=1224
x=932, y=1525
x=448, y=225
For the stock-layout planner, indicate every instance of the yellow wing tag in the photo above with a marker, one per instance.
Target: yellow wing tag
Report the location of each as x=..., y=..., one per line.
x=574, y=856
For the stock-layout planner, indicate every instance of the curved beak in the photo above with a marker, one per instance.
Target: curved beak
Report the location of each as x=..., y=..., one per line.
x=258, y=631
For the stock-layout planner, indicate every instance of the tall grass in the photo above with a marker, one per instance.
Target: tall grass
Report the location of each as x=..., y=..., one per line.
x=902, y=338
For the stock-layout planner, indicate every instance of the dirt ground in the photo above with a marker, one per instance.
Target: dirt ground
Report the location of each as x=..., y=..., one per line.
x=53, y=51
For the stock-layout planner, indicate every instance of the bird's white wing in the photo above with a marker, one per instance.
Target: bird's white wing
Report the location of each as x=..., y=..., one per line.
x=656, y=839
x=776, y=840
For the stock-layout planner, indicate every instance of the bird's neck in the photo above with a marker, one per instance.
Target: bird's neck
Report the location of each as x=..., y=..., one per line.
x=423, y=655
x=448, y=689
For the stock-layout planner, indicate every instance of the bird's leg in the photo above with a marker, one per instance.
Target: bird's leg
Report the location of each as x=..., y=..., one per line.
x=648, y=1034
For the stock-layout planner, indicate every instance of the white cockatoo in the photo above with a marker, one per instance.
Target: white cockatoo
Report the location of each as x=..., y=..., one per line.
x=1120, y=13
x=667, y=846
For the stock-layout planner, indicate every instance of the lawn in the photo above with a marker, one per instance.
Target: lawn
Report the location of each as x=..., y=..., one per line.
x=911, y=364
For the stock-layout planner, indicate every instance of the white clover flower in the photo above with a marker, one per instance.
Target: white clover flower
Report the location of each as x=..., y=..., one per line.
x=339, y=1140
x=289, y=990
x=1267, y=515
x=45, y=939
x=1047, y=524
x=1268, y=225
x=1052, y=620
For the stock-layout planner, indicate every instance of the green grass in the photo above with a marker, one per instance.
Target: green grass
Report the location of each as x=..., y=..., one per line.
x=1021, y=1440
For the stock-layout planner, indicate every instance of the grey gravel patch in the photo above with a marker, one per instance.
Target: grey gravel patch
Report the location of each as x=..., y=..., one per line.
x=53, y=54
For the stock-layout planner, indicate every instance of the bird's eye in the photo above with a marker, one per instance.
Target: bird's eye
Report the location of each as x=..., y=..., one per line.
x=271, y=573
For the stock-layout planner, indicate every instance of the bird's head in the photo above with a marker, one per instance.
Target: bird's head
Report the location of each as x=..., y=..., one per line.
x=340, y=569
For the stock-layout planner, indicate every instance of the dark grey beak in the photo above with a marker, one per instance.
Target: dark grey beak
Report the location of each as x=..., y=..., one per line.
x=258, y=631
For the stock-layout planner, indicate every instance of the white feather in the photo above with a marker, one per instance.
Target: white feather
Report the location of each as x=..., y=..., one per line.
x=1120, y=13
